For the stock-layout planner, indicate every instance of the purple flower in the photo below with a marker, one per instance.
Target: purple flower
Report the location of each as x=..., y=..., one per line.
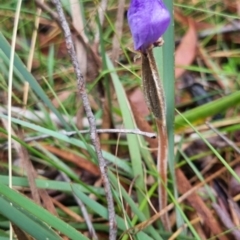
x=148, y=20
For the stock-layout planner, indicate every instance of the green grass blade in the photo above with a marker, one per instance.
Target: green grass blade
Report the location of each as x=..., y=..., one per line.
x=102, y=211
x=210, y=12
x=199, y=175
x=134, y=207
x=5, y=47
x=51, y=185
x=134, y=148
x=4, y=236
x=223, y=161
x=40, y=213
x=199, y=114
x=32, y=226
x=111, y=158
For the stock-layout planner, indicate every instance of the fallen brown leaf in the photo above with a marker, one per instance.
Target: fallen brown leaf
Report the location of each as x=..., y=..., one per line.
x=137, y=100
x=198, y=204
x=143, y=125
x=186, y=51
x=61, y=97
x=71, y=157
x=68, y=211
x=37, y=194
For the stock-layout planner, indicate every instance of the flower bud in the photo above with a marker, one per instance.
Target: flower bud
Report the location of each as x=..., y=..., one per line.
x=148, y=20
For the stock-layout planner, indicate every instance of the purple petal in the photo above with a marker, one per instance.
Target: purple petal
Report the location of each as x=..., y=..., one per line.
x=148, y=20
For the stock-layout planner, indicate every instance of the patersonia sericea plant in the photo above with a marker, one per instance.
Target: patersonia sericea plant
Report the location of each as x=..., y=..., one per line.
x=148, y=20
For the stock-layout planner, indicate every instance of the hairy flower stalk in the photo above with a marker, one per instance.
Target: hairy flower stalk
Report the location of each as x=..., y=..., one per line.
x=148, y=20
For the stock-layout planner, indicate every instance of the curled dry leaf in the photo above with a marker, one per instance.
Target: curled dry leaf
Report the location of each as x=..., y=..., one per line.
x=186, y=51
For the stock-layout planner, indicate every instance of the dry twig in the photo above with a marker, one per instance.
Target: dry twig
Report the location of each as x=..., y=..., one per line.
x=226, y=139
x=93, y=133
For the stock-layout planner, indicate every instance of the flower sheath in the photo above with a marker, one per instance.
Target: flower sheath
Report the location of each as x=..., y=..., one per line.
x=148, y=20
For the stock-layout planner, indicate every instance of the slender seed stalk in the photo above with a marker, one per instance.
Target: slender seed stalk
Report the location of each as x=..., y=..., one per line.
x=154, y=96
